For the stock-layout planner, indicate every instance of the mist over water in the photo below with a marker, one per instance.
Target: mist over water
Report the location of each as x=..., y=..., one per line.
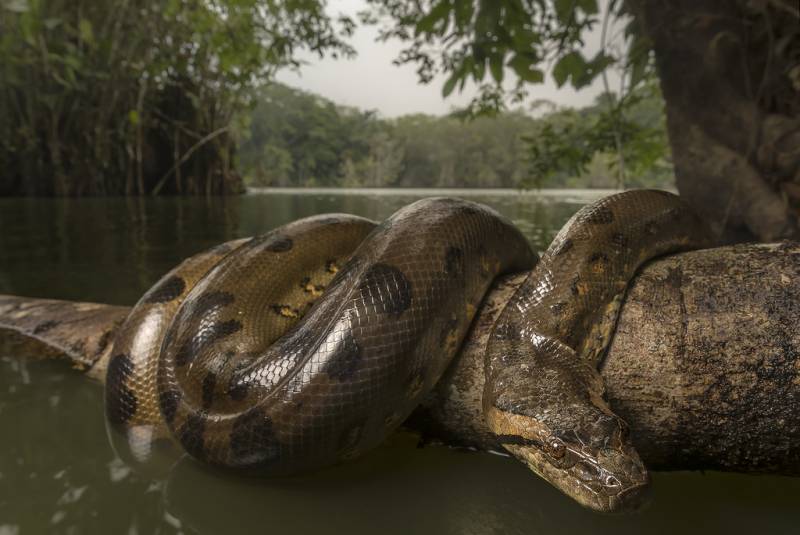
x=59, y=474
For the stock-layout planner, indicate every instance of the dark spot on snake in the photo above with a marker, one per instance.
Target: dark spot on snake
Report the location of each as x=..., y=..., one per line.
x=191, y=435
x=121, y=401
x=279, y=244
x=651, y=228
x=45, y=326
x=346, y=361
x=454, y=262
x=618, y=239
x=386, y=288
x=598, y=258
x=166, y=290
x=464, y=208
x=563, y=247
x=601, y=215
x=675, y=213
x=330, y=266
x=205, y=337
x=517, y=440
x=168, y=403
x=200, y=306
x=209, y=382
x=237, y=388
x=252, y=439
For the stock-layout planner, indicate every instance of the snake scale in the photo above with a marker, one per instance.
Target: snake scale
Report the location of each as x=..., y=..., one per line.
x=308, y=345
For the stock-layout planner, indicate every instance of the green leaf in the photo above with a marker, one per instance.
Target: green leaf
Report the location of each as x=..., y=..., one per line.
x=133, y=117
x=496, y=66
x=564, y=10
x=588, y=6
x=639, y=62
x=85, y=29
x=428, y=22
x=522, y=66
x=450, y=84
x=571, y=65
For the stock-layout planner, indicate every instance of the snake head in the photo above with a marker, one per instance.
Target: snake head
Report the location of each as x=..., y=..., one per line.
x=590, y=460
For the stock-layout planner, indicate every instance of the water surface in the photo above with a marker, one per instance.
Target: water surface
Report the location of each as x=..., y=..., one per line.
x=58, y=474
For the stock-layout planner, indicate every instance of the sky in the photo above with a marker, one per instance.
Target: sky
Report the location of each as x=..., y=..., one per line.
x=371, y=82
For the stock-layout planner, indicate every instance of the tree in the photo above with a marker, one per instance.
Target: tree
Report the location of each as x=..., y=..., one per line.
x=729, y=72
x=135, y=97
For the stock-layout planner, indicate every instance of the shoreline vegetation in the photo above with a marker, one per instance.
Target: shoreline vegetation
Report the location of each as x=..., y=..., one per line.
x=293, y=138
x=90, y=105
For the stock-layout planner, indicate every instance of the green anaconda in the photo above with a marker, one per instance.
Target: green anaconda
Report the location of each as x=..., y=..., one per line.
x=308, y=345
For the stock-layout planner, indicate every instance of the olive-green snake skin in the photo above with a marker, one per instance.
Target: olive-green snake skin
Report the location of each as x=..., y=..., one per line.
x=310, y=344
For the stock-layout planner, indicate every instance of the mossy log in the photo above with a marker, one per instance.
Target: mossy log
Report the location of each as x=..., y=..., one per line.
x=704, y=365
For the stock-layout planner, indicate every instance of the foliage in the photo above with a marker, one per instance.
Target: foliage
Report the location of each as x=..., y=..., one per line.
x=293, y=138
x=118, y=96
x=569, y=140
x=480, y=40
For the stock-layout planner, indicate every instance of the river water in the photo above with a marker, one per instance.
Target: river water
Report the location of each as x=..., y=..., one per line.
x=58, y=473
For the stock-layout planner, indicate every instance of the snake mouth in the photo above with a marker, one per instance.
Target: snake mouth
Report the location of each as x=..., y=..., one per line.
x=630, y=499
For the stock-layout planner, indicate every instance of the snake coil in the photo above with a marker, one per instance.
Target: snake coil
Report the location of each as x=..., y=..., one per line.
x=308, y=345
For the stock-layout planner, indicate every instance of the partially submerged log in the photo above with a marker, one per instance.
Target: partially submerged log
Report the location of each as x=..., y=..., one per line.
x=704, y=366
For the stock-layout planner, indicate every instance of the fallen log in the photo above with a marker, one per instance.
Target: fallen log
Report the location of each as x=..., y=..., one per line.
x=704, y=365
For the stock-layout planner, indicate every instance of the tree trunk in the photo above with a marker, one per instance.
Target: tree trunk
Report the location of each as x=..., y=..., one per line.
x=730, y=76
x=704, y=365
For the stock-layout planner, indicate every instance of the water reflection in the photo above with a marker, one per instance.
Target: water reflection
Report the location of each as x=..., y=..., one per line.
x=112, y=250
x=59, y=474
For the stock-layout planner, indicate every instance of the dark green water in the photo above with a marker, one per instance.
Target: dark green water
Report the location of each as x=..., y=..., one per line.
x=58, y=473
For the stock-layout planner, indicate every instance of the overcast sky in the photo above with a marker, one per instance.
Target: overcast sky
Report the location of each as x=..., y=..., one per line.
x=370, y=81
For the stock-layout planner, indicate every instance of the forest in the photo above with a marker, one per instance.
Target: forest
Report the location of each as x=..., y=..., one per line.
x=293, y=138
x=126, y=97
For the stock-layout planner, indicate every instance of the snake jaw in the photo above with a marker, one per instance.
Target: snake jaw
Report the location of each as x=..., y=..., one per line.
x=610, y=482
x=604, y=475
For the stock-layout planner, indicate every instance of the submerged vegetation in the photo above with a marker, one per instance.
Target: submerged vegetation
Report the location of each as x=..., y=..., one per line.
x=293, y=138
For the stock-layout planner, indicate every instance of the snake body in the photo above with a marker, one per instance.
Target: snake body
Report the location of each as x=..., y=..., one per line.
x=308, y=345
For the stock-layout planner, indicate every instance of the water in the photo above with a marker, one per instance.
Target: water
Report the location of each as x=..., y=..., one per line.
x=58, y=474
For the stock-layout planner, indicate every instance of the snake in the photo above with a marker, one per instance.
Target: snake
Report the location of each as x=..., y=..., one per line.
x=307, y=346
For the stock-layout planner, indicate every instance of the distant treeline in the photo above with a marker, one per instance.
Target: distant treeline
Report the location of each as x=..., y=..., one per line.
x=295, y=138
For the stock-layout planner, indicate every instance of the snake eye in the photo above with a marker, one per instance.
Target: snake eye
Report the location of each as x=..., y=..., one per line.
x=611, y=481
x=556, y=448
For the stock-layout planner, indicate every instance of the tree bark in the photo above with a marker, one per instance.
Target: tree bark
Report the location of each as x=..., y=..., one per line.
x=730, y=76
x=704, y=365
